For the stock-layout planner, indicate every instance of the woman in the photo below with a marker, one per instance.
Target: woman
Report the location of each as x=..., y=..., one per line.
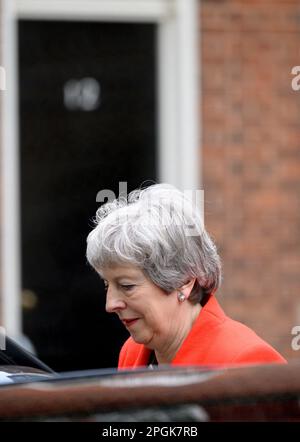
x=161, y=271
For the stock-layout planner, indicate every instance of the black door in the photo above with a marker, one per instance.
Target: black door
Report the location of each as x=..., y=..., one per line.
x=87, y=122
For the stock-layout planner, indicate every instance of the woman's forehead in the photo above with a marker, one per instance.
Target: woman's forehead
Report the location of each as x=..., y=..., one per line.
x=118, y=271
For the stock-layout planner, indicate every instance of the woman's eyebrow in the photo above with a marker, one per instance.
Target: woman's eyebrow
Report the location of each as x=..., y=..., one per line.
x=117, y=278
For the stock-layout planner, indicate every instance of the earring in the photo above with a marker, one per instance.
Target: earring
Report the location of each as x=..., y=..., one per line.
x=180, y=297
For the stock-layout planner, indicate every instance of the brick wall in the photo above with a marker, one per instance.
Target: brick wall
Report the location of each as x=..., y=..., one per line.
x=251, y=159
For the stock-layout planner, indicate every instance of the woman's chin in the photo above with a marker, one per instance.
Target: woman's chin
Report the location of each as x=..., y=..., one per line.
x=141, y=339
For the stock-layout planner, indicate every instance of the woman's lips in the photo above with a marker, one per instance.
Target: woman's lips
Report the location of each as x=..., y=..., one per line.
x=129, y=322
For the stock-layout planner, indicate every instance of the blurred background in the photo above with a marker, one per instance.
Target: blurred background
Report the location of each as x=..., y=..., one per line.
x=195, y=93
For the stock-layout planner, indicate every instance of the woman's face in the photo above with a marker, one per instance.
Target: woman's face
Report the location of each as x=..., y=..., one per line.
x=149, y=314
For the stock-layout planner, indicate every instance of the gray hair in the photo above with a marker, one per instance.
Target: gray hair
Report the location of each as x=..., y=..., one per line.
x=149, y=230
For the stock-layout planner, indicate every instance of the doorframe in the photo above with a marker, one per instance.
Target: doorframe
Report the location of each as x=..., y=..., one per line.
x=178, y=116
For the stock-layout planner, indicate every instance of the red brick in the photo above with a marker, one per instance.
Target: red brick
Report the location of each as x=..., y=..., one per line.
x=251, y=162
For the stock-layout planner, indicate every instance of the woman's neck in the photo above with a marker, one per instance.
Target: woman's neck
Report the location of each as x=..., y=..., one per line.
x=166, y=354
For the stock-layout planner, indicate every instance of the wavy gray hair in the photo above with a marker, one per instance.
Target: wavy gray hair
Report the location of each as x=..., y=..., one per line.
x=149, y=230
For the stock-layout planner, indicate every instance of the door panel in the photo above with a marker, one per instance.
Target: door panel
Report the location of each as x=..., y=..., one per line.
x=87, y=122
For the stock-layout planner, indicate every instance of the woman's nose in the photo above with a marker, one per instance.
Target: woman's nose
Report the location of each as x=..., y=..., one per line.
x=114, y=301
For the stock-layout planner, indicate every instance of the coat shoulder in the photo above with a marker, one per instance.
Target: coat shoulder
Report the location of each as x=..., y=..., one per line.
x=245, y=346
x=129, y=353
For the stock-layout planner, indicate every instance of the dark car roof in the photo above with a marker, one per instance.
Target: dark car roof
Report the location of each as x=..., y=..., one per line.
x=262, y=392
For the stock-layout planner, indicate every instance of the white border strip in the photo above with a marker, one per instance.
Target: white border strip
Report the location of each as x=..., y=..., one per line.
x=179, y=135
x=167, y=125
x=104, y=10
x=187, y=69
x=10, y=222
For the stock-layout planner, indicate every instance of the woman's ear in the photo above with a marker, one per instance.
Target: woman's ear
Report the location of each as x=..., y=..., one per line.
x=187, y=287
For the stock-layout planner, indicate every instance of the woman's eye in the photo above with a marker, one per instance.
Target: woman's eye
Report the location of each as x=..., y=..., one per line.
x=127, y=287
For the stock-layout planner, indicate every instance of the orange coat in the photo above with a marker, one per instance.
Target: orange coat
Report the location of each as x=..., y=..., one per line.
x=214, y=339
